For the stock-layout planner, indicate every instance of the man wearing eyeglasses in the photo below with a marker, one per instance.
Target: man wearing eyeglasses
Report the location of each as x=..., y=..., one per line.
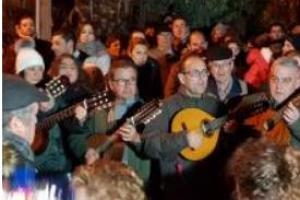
x=221, y=65
x=122, y=81
x=284, y=80
x=181, y=178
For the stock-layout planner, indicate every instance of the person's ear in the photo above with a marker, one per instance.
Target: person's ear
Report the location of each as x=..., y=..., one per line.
x=110, y=85
x=16, y=126
x=181, y=78
x=298, y=81
x=17, y=30
x=232, y=64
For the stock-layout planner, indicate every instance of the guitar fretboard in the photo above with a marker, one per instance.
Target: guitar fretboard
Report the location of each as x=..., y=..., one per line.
x=98, y=101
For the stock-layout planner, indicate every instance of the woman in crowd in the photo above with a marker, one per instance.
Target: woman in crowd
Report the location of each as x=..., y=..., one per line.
x=149, y=79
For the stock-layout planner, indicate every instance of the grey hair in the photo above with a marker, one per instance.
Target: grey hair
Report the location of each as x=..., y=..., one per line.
x=22, y=113
x=259, y=171
x=286, y=62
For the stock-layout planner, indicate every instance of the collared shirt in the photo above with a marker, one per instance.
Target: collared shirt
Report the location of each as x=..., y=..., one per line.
x=238, y=87
x=119, y=110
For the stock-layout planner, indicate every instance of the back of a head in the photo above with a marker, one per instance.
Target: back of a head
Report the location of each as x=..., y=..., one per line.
x=108, y=180
x=259, y=170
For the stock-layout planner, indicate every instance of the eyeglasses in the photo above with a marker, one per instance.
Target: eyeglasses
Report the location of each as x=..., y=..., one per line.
x=284, y=80
x=196, y=73
x=123, y=82
x=221, y=64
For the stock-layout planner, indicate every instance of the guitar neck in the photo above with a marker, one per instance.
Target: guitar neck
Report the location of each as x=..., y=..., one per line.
x=55, y=118
x=142, y=116
x=214, y=125
x=248, y=105
x=98, y=101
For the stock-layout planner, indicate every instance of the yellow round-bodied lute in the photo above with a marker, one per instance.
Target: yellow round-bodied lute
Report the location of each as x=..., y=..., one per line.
x=192, y=119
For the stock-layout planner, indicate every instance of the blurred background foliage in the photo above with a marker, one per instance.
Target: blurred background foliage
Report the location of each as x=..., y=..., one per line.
x=246, y=16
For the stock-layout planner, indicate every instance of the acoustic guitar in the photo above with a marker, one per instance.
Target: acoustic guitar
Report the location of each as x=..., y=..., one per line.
x=190, y=119
x=270, y=123
x=111, y=147
x=101, y=100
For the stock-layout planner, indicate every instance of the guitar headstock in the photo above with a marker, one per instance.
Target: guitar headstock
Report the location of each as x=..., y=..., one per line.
x=248, y=105
x=99, y=101
x=57, y=86
x=253, y=109
x=147, y=112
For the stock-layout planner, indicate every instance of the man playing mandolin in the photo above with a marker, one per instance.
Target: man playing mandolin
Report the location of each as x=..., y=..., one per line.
x=183, y=178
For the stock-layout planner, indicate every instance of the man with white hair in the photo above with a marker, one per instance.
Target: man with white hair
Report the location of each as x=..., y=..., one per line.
x=284, y=81
x=20, y=107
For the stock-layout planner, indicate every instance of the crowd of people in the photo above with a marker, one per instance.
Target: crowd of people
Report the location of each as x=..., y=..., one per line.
x=116, y=148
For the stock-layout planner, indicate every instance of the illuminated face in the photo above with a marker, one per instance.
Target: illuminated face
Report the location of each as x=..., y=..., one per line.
x=179, y=29
x=34, y=74
x=194, y=76
x=221, y=70
x=68, y=68
x=26, y=27
x=87, y=34
x=123, y=83
x=60, y=46
x=139, y=54
x=283, y=82
x=164, y=41
x=287, y=47
x=197, y=43
x=234, y=47
x=217, y=35
x=276, y=33
x=114, y=48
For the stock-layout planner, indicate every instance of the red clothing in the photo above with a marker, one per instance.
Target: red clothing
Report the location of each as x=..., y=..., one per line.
x=259, y=69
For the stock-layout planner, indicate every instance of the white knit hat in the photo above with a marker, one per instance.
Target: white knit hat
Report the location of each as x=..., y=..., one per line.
x=28, y=57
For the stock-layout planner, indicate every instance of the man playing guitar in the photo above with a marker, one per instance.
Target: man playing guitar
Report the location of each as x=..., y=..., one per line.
x=122, y=79
x=284, y=81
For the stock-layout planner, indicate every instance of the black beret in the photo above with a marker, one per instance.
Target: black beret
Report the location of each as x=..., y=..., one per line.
x=218, y=53
x=17, y=93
